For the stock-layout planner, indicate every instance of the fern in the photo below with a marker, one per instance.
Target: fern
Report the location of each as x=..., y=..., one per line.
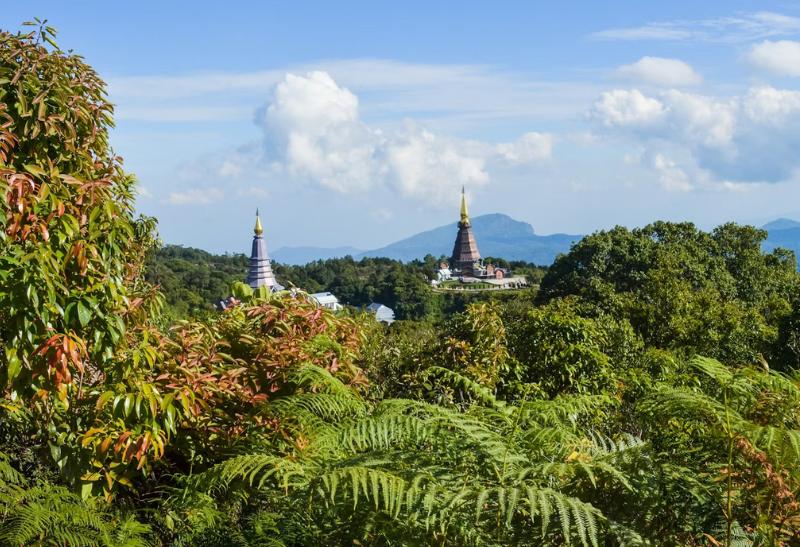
x=395, y=459
x=47, y=514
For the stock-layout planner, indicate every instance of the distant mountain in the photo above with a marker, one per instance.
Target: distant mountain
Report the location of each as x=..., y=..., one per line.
x=304, y=255
x=781, y=224
x=497, y=235
x=783, y=232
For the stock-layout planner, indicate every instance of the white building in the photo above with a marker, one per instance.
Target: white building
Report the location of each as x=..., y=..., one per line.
x=382, y=313
x=327, y=300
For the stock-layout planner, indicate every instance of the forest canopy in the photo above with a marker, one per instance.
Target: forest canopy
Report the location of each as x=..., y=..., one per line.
x=193, y=281
x=647, y=395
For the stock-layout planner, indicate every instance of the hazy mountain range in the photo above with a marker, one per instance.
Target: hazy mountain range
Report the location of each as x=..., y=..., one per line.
x=784, y=233
x=498, y=235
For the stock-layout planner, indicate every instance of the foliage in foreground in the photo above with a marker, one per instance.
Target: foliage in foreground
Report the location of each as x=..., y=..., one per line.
x=582, y=420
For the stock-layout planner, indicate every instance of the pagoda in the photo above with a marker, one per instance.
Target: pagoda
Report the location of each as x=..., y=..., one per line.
x=260, y=272
x=465, y=250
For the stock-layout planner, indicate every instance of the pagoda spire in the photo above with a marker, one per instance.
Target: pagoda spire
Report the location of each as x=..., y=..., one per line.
x=464, y=212
x=258, y=229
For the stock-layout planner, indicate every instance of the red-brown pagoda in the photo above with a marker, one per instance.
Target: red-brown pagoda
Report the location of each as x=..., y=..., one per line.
x=465, y=250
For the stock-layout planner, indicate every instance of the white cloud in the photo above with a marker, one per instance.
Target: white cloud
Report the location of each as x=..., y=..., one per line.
x=695, y=117
x=230, y=169
x=313, y=133
x=313, y=128
x=781, y=57
x=423, y=164
x=700, y=119
x=195, y=196
x=647, y=32
x=528, y=148
x=142, y=191
x=768, y=105
x=739, y=28
x=670, y=175
x=750, y=138
x=627, y=108
x=660, y=71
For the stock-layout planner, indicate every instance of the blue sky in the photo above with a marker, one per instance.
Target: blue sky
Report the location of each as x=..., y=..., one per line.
x=357, y=123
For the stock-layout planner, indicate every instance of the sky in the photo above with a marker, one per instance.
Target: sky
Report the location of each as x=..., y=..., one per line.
x=357, y=123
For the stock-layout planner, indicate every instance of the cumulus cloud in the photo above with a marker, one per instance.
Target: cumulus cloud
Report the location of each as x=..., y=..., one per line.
x=421, y=163
x=313, y=129
x=195, y=196
x=313, y=132
x=660, y=71
x=627, y=108
x=768, y=105
x=781, y=57
x=750, y=138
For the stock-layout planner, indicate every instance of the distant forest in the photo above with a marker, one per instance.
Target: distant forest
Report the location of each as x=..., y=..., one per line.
x=193, y=281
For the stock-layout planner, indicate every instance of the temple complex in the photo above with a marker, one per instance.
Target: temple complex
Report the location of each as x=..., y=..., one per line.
x=467, y=268
x=260, y=271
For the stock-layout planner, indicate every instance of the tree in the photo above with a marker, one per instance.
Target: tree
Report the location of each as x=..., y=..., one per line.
x=562, y=352
x=71, y=253
x=711, y=293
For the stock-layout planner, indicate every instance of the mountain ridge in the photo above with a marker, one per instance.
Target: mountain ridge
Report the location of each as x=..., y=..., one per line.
x=781, y=224
x=782, y=232
x=498, y=235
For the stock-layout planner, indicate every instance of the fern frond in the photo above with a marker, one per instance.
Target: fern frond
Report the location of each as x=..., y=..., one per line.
x=480, y=392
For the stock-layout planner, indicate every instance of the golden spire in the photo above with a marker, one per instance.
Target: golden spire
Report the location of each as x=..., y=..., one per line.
x=464, y=212
x=258, y=228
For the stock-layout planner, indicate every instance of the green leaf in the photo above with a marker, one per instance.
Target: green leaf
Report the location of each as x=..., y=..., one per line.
x=86, y=489
x=34, y=170
x=14, y=368
x=84, y=314
x=14, y=364
x=55, y=452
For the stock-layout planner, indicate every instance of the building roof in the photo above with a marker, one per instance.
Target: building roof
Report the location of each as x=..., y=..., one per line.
x=382, y=313
x=325, y=297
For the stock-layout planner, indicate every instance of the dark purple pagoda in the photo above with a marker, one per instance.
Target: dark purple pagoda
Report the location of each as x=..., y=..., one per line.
x=465, y=250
